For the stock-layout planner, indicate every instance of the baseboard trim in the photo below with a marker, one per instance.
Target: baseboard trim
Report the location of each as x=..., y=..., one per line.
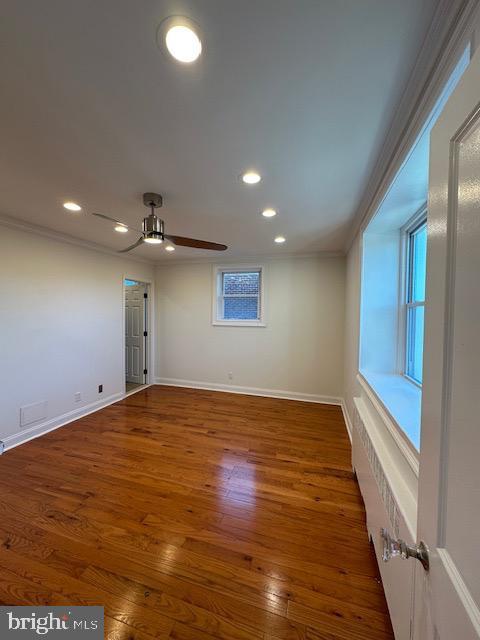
x=41, y=429
x=249, y=391
x=348, y=422
x=133, y=391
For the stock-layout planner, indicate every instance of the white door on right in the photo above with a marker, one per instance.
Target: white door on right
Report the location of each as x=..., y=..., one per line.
x=447, y=597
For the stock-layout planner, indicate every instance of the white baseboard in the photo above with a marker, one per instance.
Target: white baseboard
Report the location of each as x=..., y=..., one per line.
x=249, y=391
x=137, y=389
x=55, y=423
x=346, y=417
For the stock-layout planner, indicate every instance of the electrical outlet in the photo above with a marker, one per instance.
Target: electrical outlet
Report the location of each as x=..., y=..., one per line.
x=230, y=375
x=100, y=388
x=78, y=396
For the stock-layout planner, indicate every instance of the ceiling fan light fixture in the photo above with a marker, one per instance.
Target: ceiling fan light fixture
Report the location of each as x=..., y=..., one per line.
x=153, y=238
x=121, y=228
x=72, y=206
x=280, y=239
x=170, y=248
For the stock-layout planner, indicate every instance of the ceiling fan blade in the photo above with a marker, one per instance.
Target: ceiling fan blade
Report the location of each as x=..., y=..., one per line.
x=132, y=246
x=124, y=224
x=196, y=244
x=101, y=215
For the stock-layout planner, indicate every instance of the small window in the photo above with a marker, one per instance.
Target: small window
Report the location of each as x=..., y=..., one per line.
x=415, y=289
x=238, y=296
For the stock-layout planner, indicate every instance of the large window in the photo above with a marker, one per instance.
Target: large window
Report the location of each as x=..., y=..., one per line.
x=415, y=303
x=238, y=296
x=392, y=309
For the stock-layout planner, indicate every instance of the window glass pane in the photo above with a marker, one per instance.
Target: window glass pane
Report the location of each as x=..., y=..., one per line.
x=416, y=317
x=241, y=283
x=240, y=308
x=419, y=263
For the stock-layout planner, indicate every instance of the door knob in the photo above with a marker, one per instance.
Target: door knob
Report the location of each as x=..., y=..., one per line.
x=393, y=548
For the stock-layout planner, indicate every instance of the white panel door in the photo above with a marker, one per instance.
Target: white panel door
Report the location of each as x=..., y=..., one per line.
x=134, y=328
x=447, y=598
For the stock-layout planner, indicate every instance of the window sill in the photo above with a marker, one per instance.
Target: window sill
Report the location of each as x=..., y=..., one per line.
x=402, y=400
x=238, y=323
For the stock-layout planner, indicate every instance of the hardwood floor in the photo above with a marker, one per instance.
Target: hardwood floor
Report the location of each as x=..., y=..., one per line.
x=194, y=515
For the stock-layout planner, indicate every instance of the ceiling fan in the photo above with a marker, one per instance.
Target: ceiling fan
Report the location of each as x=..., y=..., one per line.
x=153, y=229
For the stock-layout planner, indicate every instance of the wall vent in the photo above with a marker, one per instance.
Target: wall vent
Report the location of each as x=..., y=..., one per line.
x=384, y=488
x=31, y=413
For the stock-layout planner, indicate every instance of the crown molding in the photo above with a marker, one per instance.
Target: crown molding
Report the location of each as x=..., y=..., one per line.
x=249, y=258
x=29, y=227
x=452, y=22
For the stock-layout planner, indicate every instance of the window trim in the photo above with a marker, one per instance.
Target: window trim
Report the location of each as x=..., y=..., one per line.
x=415, y=222
x=218, y=271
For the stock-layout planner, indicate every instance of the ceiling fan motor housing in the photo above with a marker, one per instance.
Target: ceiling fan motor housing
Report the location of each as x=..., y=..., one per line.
x=153, y=227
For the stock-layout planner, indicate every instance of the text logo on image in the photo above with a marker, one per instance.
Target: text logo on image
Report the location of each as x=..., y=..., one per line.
x=58, y=623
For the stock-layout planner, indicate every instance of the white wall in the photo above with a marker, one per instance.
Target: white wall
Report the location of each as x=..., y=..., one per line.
x=300, y=351
x=61, y=321
x=352, y=324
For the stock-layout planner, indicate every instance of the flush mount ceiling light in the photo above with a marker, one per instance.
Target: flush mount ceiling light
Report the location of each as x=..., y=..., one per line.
x=279, y=239
x=269, y=213
x=183, y=44
x=251, y=177
x=179, y=36
x=121, y=228
x=72, y=206
x=169, y=248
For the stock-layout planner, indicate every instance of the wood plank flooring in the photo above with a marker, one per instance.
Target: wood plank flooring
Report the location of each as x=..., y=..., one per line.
x=194, y=515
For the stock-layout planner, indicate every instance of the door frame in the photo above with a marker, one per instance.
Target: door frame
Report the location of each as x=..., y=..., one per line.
x=445, y=582
x=150, y=341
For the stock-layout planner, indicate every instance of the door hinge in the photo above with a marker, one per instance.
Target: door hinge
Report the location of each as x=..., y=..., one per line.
x=145, y=334
x=145, y=295
x=145, y=372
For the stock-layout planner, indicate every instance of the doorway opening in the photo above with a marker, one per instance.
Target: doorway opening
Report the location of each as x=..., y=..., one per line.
x=136, y=334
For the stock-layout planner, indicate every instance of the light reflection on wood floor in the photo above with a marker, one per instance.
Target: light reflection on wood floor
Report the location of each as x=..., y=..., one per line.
x=194, y=515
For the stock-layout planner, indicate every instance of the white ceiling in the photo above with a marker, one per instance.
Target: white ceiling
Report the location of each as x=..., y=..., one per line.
x=301, y=90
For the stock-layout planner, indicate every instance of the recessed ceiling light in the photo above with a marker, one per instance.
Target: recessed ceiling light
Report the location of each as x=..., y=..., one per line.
x=269, y=213
x=181, y=40
x=121, y=228
x=153, y=240
x=251, y=177
x=279, y=239
x=72, y=206
x=169, y=248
